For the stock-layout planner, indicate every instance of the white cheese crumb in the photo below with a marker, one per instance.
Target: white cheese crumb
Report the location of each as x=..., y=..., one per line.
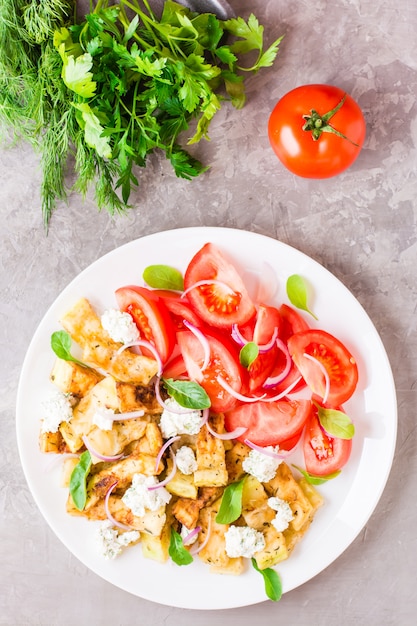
x=120, y=326
x=56, y=409
x=243, y=541
x=284, y=513
x=138, y=498
x=111, y=542
x=260, y=465
x=184, y=534
x=103, y=418
x=186, y=461
x=183, y=422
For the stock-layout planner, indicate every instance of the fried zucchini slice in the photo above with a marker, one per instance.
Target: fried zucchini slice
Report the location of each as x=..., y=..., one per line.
x=210, y=455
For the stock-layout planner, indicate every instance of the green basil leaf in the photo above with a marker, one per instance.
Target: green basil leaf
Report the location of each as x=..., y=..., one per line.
x=272, y=581
x=248, y=353
x=297, y=293
x=176, y=549
x=316, y=480
x=78, y=480
x=231, y=504
x=336, y=423
x=187, y=393
x=61, y=345
x=163, y=277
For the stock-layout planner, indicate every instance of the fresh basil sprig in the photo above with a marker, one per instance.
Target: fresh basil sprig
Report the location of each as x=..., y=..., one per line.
x=231, y=504
x=273, y=586
x=297, y=293
x=61, y=345
x=163, y=277
x=335, y=422
x=248, y=354
x=316, y=480
x=78, y=480
x=176, y=549
x=187, y=393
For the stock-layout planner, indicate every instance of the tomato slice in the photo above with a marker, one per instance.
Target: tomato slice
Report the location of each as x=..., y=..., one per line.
x=224, y=362
x=267, y=323
x=270, y=423
x=333, y=355
x=323, y=454
x=150, y=316
x=223, y=300
x=175, y=368
x=179, y=308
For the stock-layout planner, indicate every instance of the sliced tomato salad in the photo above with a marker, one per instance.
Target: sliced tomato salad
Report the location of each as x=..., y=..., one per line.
x=200, y=334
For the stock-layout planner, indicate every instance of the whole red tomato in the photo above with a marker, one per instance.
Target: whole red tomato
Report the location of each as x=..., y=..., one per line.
x=317, y=131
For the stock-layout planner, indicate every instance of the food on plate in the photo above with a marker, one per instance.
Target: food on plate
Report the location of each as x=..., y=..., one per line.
x=317, y=131
x=118, y=84
x=173, y=440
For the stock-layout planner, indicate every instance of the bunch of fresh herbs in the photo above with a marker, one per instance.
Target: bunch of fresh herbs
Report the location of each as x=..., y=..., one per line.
x=119, y=84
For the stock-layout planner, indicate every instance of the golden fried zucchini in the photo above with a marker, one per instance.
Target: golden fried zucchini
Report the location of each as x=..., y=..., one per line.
x=73, y=378
x=210, y=455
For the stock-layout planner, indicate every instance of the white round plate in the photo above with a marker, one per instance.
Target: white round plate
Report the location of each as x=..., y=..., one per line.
x=349, y=499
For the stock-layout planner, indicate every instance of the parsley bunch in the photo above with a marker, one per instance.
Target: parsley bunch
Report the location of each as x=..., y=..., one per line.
x=118, y=86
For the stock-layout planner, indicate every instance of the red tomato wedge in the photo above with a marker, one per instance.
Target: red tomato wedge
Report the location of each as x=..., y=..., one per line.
x=150, y=316
x=267, y=323
x=178, y=307
x=270, y=423
x=338, y=362
x=223, y=300
x=323, y=454
x=224, y=362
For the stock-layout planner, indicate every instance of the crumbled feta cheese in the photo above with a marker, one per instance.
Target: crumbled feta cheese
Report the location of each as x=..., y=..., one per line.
x=284, y=513
x=183, y=422
x=243, y=541
x=111, y=542
x=260, y=465
x=56, y=409
x=186, y=461
x=138, y=498
x=103, y=418
x=120, y=326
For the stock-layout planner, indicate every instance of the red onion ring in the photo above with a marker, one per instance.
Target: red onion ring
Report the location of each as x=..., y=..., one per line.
x=283, y=393
x=129, y=415
x=324, y=372
x=201, y=283
x=167, y=478
x=188, y=538
x=275, y=380
x=233, y=434
x=110, y=517
x=163, y=448
x=198, y=549
x=203, y=340
x=241, y=341
x=144, y=344
x=270, y=453
x=235, y=393
x=94, y=452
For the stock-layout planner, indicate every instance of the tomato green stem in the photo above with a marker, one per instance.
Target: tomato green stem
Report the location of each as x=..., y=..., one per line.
x=318, y=124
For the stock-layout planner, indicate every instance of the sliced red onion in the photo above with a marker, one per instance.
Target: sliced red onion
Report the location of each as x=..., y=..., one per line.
x=202, y=283
x=167, y=478
x=196, y=549
x=203, y=340
x=272, y=381
x=205, y=416
x=190, y=536
x=144, y=344
x=129, y=415
x=112, y=519
x=233, y=434
x=235, y=393
x=283, y=393
x=94, y=452
x=268, y=283
x=59, y=458
x=241, y=341
x=270, y=453
x=164, y=405
x=324, y=372
x=163, y=448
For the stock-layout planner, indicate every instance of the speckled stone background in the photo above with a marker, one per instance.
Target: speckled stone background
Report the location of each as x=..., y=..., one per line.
x=360, y=225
